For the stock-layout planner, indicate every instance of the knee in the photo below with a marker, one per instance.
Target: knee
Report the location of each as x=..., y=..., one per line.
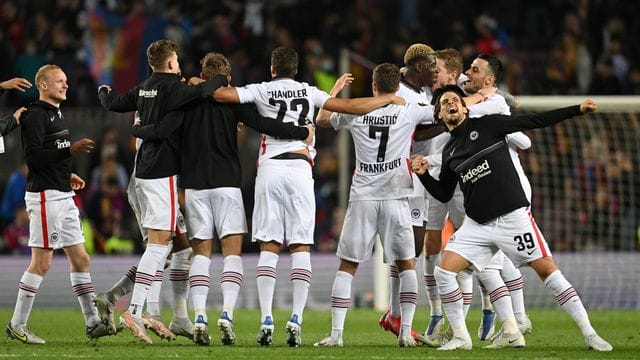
x=80, y=262
x=444, y=277
x=488, y=275
x=39, y=266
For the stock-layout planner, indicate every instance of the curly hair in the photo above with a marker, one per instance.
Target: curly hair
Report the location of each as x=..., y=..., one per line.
x=417, y=52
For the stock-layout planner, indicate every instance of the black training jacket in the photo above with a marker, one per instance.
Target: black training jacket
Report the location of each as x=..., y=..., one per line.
x=156, y=98
x=477, y=157
x=46, y=145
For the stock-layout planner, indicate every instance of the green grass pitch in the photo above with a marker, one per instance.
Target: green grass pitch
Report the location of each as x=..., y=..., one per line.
x=554, y=337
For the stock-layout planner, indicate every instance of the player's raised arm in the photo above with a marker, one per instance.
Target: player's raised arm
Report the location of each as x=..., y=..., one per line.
x=324, y=116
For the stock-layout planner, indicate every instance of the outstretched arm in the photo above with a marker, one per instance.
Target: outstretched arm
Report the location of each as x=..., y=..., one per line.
x=361, y=106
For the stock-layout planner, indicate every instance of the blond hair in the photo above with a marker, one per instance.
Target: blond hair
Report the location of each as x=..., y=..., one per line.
x=417, y=52
x=452, y=60
x=215, y=64
x=42, y=73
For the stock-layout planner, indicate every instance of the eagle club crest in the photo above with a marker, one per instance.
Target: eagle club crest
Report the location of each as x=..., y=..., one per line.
x=473, y=135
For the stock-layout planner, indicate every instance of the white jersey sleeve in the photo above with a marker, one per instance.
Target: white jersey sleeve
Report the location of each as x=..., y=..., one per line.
x=284, y=100
x=341, y=121
x=494, y=104
x=519, y=140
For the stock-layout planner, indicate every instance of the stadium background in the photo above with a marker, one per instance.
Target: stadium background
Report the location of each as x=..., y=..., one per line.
x=584, y=172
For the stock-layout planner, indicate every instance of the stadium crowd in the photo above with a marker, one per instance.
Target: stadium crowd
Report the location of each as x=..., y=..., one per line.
x=592, y=51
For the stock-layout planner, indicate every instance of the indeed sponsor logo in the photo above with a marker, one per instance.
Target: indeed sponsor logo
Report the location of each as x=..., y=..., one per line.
x=148, y=93
x=476, y=173
x=63, y=144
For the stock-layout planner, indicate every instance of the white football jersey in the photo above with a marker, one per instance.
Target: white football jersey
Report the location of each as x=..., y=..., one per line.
x=423, y=96
x=382, y=143
x=285, y=100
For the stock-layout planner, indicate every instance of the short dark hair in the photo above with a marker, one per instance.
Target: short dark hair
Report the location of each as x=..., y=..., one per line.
x=284, y=61
x=495, y=65
x=387, y=77
x=159, y=51
x=437, y=94
x=215, y=64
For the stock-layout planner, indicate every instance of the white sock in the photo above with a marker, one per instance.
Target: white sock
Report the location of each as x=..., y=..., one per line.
x=123, y=286
x=179, y=277
x=569, y=301
x=27, y=290
x=513, y=279
x=465, y=281
x=451, y=297
x=500, y=298
x=408, y=297
x=394, y=291
x=266, y=280
x=199, y=285
x=230, y=282
x=300, y=280
x=340, y=302
x=151, y=260
x=430, y=262
x=485, y=301
x=153, y=297
x=83, y=288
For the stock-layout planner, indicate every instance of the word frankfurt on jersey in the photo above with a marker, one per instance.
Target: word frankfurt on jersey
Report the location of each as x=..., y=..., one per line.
x=276, y=94
x=380, y=167
x=379, y=120
x=476, y=173
x=148, y=93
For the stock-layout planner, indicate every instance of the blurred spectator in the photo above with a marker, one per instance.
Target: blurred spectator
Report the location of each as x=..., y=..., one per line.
x=105, y=207
x=13, y=197
x=16, y=235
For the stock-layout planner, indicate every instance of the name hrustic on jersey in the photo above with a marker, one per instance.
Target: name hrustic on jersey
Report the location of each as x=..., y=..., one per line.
x=379, y=120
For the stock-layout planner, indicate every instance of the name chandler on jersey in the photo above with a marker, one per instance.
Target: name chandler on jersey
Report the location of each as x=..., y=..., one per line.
x=379, y=120
x=380, y=167
x=287, y=94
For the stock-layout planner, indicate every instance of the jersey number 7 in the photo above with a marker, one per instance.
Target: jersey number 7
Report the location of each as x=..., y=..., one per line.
x=384, y=137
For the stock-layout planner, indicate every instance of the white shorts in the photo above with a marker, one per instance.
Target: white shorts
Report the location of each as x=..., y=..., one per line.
x=417, y=203
x=368, y=218
x=134, y=202
x=285, y=206
x=158, y=203
x=218, y=211
x=515, y=233
x=54, y=224
x=437, y=212
x=496, y=262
